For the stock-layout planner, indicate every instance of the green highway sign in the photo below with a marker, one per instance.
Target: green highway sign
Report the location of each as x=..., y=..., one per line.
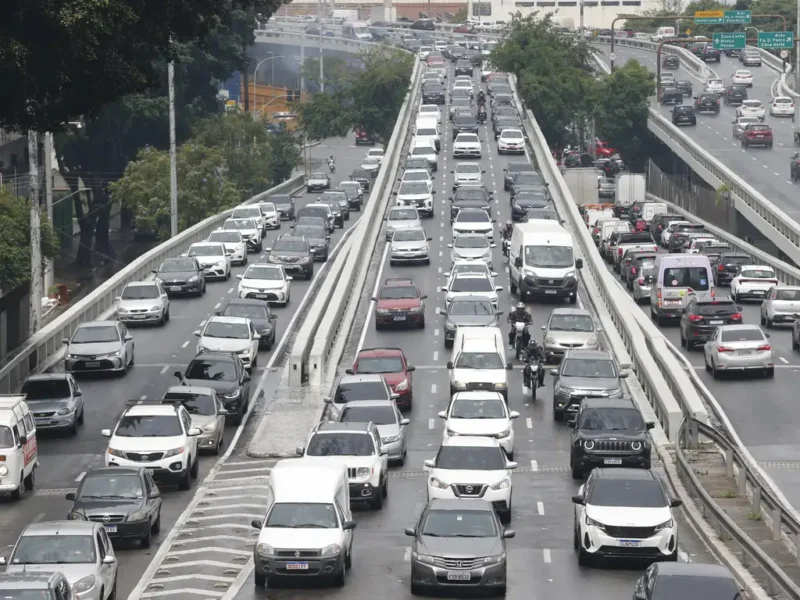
x=775, y=40
x=730, y=41
x=709, y=20
x=737, y=17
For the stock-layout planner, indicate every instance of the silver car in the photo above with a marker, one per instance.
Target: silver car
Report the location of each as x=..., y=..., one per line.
x=468, y=311
x=55, y=400
x=207, y=413
x=780, y=305
x=99, y=346
x=643, y=284
x=371, y=164
x=410, y=246
x=569, y=328
x=143, y=302
x=470, y=246
x=318, y=182
x=585, y=373
x=387, y=418
x=607, y=188
x=742, y=348
x=467, y=173
x=402, y=218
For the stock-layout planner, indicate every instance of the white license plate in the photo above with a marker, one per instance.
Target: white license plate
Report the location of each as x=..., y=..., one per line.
x=758, y=292
x=297, y=566
x=139, y=316
x=612, y=461
x=110, y=528
x=716, y=322
x=89, y=365
x=549, y=291
x=744, y=352
x=399, y=318
x=260, y=296
x=43, y=421
x=458, y=576
x=629, y=544
x=175, y=288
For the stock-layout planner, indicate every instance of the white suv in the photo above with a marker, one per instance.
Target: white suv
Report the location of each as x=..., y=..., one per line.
x=472, y=467
x=480, y=414
x=157, y=436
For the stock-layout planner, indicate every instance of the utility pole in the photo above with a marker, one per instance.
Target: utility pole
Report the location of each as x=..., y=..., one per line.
x=321, y=59
x=49, y=273
x=580, y=2
x=173, y=155
x=36, y=234
x=797, y=51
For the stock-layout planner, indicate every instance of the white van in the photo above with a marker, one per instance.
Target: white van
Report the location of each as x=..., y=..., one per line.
x=663, y=33
x=358, y=30
x=676, y=279
x=19, y=453
x=478, y=361
x=651, y=209
x=541, y=261
x=428, y=128
x=308, y=515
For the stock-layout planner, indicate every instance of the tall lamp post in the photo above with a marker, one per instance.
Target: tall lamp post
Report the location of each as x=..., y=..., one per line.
x=255, y=81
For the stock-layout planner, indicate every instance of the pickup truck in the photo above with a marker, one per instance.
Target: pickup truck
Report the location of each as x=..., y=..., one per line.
x=627, y=242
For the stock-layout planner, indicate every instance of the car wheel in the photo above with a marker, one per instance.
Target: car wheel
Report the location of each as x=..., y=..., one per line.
x=185, y=482
x=195, y=469
x=30, y=481
x=148, y=537
x=157, y=523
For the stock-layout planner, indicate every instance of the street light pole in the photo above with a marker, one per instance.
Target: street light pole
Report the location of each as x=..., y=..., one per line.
x=36, y=293
x=321, y=59
x=253, y=110
x=797, y=51
x=173, y=153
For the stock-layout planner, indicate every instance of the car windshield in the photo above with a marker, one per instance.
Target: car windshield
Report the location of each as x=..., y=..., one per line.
x=478, y=409
x=469, y=138
x=416, y=176
x=714, y=82
x=398, y=292
x=380, y=415
x=54, y=550
x=140, y=292
x=292, y=245
x=528, y=178
x=264, y=272
x=460, y=101
x=511, y=133
x=403, y=214
x=149, y=426
x=752, y=103
x=468, y=169
x=459, y=523
x=211, y=370
x=176, y=265
x=473, y=216
x=380, y=364
x=471, y=284
x=470, y=194
x=127, y=486
x=639, y=493
x=691, y=277
x=479, y=360
x=306, y=515
x=360, y=390
x=267, y=208
x=240, y=224
x=409, y=235
x=714, y=308
x=96, y=335
x=230, y=237
x=741, y=335
x=696, y=588
x=611, y=419
x=595, y=368
x=470, y=241
x=470, y=458
x=532, y=199
x=226, y=330
x=472, y=308
x=341, y=444
x=207, y=250
x=758, y=274
x=428, y=132
x=318, y=176
x=464, y=119
x=783, y=100
x=195, y=404
x=582, y=323
x=417, y=163
x=45, y=389
x=549, y=257
x=248, y=311
x=413, y=188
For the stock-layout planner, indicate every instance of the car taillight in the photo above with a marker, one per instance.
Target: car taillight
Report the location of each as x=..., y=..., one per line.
x=721, y=268
x=619, y=252
x=641, y=281
x=736, y=317
x=633, y=270
x=724, y=349
x=764, y=348
x=695, y=318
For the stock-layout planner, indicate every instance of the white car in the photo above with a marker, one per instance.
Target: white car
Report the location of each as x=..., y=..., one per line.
x=143, y=302
x=782, y=106
x=752, y=281
x=486, y=70
x=463, y=84
x=752, y=108
x=265, y=282
x=234, y=244
x=402, y=218
x=250, y=232
x=272, y=219
x=467, y=144
x=409, y=246
x=480, y=414
x=743, y=77
x=470, y=246
x=430, y=110
x=621, y=513
x=472, y=467
x=234, y=335
x=157, y=436
x=511, y=140
x=418, y=175
x=371, y=164
x=670, y=229
x=467, y=173
x=714, y=86
x=376, y=153
x=417, y=194
x=425, y=148
x=471, y=284
x=470, y=266
x=251, y=211
x=213, y=257
x=424, y=52
x=440, y=45
x=743, y=348
x=473, y=220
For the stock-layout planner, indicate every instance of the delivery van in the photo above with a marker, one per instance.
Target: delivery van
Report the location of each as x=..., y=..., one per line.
x=19, y=453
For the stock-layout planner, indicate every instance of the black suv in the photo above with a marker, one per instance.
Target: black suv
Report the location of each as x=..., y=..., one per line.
x=512, y=169
x=464, y=67
x=706, y=103
x=685, y=86
x=702, y=317
x=734, y=94
x=670, y=62
x=225, y=373
x=471, y=196
x=727, y=265
x=464, y=123
x=293, y=253
x=433, y=93
x=710, y=54
x=608, y=432
x=528, y=200
x=671, y=95
x=794, y=167
x=684, y=115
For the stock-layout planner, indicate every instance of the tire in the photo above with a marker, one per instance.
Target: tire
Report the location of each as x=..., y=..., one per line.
x=185, y=483
x=30, y=481
x=769, y=373
x=147, y=540
x=195, y=469
x=577, y=474
x=260, y=579
x=157, y=524
x=17, y=493
x=584, y=560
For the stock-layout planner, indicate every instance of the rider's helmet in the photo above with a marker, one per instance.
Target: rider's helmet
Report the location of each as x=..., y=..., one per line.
x=520, y=306
x=509, y=224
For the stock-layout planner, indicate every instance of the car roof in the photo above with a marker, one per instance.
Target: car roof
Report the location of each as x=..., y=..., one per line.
x=48, y=377
x=161, y=410
x=244, y=301
x=199, y=390
x=370, y=352
x=460, y=504
x=588, y=354
x=29, y=580
x=88, y=324
x=230, y=320
x=221, y=356
x=758, y=267
x=361, y=378
x=369, y=403
x=332, y=426
x=140, y=284
x=693, y=569
x=624, y=474
x=471, y=441
x=477, y=395
x=398, y=281
x=113, y=471
x=593, y=402
x=60, y=528
x=571, y=311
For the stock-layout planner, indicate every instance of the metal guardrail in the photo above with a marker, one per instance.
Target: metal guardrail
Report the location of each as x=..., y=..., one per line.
x=44, y=348
x=762, y=500
x=763, y=214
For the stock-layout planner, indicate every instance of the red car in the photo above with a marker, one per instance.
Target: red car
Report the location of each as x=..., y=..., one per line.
x=399, y=303
x=602, y=149
x=757, y=134
x=392, y=364
x=363, y=138
x=464, y=28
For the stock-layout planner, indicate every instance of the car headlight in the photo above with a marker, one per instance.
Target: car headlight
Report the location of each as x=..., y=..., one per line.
x=449, y=326
x=210, y=427
x=503, y=434
x=331, y=550
x=665, y=525
x=265, y=550
x=272, y=259
x=76, y=516
x=110, y=355
x=363, y=472
x=84, y=584
x=501, y=386
x=437, y=483
x=588, y=444
x=636, y=446
x=382, y=311
x=570, y=274
x=549, y=340
x=424, y=558
x=403, y=385
x=233, y=395
x=115, y=452
x=451, y=433
x=63, y=411
x=155, y=308
x=502, y=485
x=139, y=515
x=122, y=310
x=459, y=384
x=593, y=523
x=390, y=439
x=615, y=393
x=395, y=249
x=592, y=341
x=415, y=309
x=193, y=278
x=493, y=560
x=3, y=471
x=174, y=452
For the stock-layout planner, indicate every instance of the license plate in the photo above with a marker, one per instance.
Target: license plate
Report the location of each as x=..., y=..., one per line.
x=612, y=461
x=549, y=291
x=629, y=544
x=43, y=421
x=110, y=528
x=458, y=576
x=399, y=318
x=175, y=288
x=744, y=352
x=139, y=316
x=297, y=566
x=260, y=296
x=758, y=292
x=716, y=322
x=89, y=365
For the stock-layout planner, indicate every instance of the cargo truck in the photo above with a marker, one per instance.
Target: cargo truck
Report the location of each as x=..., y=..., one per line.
x=583, y=184
x=630, y=189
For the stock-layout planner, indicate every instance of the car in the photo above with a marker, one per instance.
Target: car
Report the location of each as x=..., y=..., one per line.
x=467, y=144
x=259, y=314
x=418, y=175
x=362, y=137
x=512, y=169
x=666, y=80
x=251, y=211
x=671, y=95
x=409, y=246
x=471, y=246
x=780, y=305
x=750, y=58
x=182, y=276
x=744, y=348
x=480, y=413
x=234, y=243
x=569, y=328
x=296, y=252
x=607, y=187
x=670, y=61
x=743, y=77
x=399, y=302
x=425, y=148
x=794, y=166
x=464, y=67
x=751, y=108
x=269, y=283
x=464, y=103
x=474, y=196
x=689, y=580
x=782, y=106
x=433, y=110
x=417, y=194
x=710, y=54
x=463, y=86
x=715, y=86
x=157, y=436
x=608, y=432
x=104, y=346
x=336, y=210
x=424, y=52
x=683, y=115
x=467, y=173
x=472, y=220
x=461, y=285
x=702, y=317
x=207, y=413
x=371, y=164
x=415, y=163
x=234, y=335
x=319, y=211
x=249, y=230
x=624, y=513
x=272, y=219
x=547, y=213
x=757, y=134
x=226, y=374
x=511, y=141
x=469, y=542
x=55, y=401
x=363, y=178
x=528, y=180
x=214, y=259
x=80, y=550
x=685, y=86
x=470, y=310
x=642, y=284
x=128, y=493
x=464, y=123
x=402, y=218
x=734, y=95
x=433, y=93
x=317, y=182
x=386, y=417
x=393, y=366
x=376, y=153
x=355, y=195
x=284, y=204
x=143, y=302
x=752, y=281
x=339, y=197
x=502, y=123
x=741, y=123
x=585, y=373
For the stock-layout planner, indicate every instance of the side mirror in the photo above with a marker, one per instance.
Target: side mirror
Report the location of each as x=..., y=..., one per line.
x=196, y=333
x=239, y=277
x=577, y=499
x=492, y=245
x=544, y=327
x=449, y=364
x=71, y=496
x=442, y=414
x=299, y=450
x=218, y=313
x=511, y=464
x=105, y=432
x=411, y=368
x=256, y=336
x=154, y=495
x=109, y=559
x=222, y=411
x=118, y=298
x=429, y=239
x=2, y=560
x=513, y=415
x=405, y=422
x=429, y=463
x=498, y=288
x=349, y=372
x=554, y=372
x=246, y=378
x=65, y=341
x=349, y=525
x=623, y=375
x=444, y=288
x=508, y=534
x=424, y=297
x=578, y=263
x=78, y=393
x=410, y=531
x=650, y=425
x=384, y=451
x=194, y=431
x=255, y=524
x=179, y=375
x=675, y=503
x=509, y=367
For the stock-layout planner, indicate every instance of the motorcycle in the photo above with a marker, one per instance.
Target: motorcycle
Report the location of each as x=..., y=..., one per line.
x=505, y=247
x=530, y=376
x=332, y=166
x=482, y=117
x=521, y=339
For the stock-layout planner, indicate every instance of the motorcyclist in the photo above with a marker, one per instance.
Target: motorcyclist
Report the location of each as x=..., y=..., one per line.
x=332, y=163
x=519, y=315
x=535, y=352
x=508, y=230
x=481, y=98
x=481, y=113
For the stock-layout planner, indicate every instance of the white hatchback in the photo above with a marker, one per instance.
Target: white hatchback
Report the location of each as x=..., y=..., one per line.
x=511, y=140
x=743, y=77
x=782, y=106
x=430, y=110
x=483, y=414
x=751, y=108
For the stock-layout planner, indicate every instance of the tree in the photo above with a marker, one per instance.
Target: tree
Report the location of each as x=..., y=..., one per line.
x=460, y=16
x=285, y=156
x=622, y=111
x=335, y=69
x=203, y=189
x=325, y=115
x=15, y=243
x=70, y=58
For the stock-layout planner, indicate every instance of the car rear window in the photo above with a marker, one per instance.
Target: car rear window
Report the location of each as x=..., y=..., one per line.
x=695, y=278
x=742, y=335
x=714, y=308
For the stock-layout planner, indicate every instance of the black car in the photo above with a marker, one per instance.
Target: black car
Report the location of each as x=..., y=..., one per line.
x=354, y=197
x=259, y=314
x=525, y=179
x=112, y=495
x=424, y=25
x=684, y=115
x=794, y=166
x=464, y=123
x=685, y=86
x=734, y=95
x=526, y=201
x=670, y=62
x=547, y=213
x=456, y=53
x=284, y=204
x=318, y=238
x=433, y=93
x=511, y=172
x=710, y=54
x=608, y=432
x=415, y=162
x=499, y=88
x=470, y=196
x=503, y=123
x=702, y=317
x=336, y=210
x=499, y=100
x=464, y=67
x=660, y=223
x=686, y=580
x=363, y=177
x=225, y=373
x=504, y=110
x=182, y=276
x=706, y=103
x=671, y=95
x=727, y=265
x=294, y=254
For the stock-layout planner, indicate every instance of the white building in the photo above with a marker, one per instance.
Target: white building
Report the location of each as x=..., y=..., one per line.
x=597, y=14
